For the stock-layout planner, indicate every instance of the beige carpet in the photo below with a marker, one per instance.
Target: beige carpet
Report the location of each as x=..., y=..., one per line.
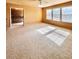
x=26, y=43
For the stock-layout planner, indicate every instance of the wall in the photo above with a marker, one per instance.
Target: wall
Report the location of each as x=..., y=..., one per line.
x=61, y=24
x=31, y=14
x=7, y=15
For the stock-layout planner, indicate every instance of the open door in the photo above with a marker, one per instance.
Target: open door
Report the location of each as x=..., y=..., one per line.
x=17, y=17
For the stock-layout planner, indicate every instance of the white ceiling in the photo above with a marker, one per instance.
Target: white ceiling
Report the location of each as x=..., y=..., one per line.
x=35, y=3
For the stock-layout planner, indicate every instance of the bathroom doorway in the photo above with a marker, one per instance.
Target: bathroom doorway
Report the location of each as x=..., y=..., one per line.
x=16, y=17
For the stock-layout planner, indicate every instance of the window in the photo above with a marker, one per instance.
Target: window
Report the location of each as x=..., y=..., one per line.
x=56, y=14
x=49, y=14
x=67, y=14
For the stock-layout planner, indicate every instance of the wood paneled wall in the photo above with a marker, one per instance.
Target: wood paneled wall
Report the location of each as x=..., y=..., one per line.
x=61, y=24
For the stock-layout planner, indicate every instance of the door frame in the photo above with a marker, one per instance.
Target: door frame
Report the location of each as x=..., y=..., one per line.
x=10, y=15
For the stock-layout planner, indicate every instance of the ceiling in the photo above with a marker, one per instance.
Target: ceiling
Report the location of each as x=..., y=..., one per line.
x=36, y=3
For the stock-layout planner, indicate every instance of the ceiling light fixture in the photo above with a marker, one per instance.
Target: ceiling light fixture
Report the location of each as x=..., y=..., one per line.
x=40, y=5
x=40, y=2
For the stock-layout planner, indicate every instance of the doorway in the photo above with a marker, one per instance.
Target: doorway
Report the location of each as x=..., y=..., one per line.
x=16, y=17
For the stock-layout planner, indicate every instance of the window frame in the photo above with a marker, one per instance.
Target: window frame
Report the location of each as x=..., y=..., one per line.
x=59, y=14
x=62, y=15
x=47, y=14
x=60, y=19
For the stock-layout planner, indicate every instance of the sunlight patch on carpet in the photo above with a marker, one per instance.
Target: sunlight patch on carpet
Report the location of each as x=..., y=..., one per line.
x=62, y=32
x=46, y=29
x=58, y=36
